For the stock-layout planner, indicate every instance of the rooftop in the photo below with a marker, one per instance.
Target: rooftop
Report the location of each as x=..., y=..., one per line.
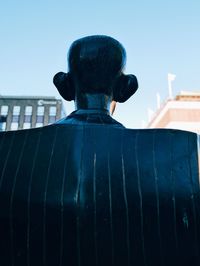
x=28, y=97
x=188, y=96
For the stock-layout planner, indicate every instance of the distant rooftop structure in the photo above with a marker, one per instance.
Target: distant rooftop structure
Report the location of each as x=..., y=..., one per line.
x=188, y=96
x=182, y=112
x=22, y=112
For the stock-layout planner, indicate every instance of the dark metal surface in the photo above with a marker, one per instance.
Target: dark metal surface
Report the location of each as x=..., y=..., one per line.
x=95, y=79
x=95, y=76
x=90, y=117
x=97, y=195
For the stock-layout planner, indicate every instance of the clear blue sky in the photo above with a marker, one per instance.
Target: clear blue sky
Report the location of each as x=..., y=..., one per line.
x=159, y=37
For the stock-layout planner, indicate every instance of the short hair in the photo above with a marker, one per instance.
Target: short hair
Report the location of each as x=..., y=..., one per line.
x=95, y=62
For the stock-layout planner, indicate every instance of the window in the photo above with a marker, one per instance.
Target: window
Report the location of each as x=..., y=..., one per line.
x=28, y=115
x=15, y=118
x=3, y=126
x=40, y=116
x=40, y=119
x=16, y=110
x=28, y=110
x=52, y=111
x=40, y=110
x=14, y=126
x=26, y=125
x=3, y=119
x=27, y=118
x=38, y=124
x=52, y=114
x=4, y=110
x=52, y=119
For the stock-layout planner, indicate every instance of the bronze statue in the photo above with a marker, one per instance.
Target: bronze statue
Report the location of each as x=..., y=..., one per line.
x=95, y=79
x=88, y=192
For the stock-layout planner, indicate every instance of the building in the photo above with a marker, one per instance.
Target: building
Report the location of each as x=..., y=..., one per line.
x=182, y=112
x=21, y=112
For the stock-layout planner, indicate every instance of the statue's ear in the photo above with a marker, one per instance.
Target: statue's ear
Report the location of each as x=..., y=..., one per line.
x=64, y=85
x=125, y=86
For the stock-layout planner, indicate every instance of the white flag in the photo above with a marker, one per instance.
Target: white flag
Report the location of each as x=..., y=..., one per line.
x=171, y=77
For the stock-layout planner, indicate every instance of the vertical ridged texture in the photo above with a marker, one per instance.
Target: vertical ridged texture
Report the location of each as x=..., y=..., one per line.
x=99, y=196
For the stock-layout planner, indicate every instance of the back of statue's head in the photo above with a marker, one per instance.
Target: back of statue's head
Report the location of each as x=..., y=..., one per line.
x=95, y=66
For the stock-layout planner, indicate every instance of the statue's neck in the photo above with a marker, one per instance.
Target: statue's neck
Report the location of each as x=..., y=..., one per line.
x=92, y=103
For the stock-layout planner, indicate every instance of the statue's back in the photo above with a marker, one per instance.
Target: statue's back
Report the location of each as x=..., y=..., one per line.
x=97, y=195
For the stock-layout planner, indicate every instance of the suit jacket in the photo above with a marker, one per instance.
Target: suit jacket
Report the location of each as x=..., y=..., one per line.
x=97, y=195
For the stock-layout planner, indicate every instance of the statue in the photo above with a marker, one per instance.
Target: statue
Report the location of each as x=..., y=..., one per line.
x=87, y=191
x=95, y=79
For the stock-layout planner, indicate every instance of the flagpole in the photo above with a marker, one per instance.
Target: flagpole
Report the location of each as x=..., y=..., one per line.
x=158, y=100
x=150, y=114
x=170, y=88
x=170, y=77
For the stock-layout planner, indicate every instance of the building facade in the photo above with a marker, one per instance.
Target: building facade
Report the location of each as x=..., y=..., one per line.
x=182, y=112
x=29, y=112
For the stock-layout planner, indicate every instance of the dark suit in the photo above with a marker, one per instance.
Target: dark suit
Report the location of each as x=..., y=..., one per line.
x=98, y=195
